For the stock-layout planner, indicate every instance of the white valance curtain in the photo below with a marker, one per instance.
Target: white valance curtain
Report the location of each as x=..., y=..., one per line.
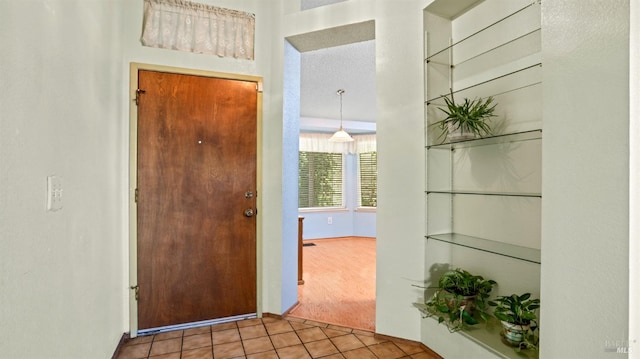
x=193, y=27
x=319, y=142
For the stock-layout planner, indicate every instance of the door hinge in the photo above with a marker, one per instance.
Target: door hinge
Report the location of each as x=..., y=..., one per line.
x=136, y=196
x=136, y=288
x=138, y=92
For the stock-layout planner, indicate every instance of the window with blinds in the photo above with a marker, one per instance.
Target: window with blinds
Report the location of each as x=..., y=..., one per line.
x=320, y=180
x=368, y=168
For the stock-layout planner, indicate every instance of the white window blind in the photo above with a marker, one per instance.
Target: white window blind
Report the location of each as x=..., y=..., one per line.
x=368, y=179
x=193, y=27
x=319, y=180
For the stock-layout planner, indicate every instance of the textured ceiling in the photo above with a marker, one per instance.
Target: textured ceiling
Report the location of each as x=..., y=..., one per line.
x=342, y=57
x=349, y=67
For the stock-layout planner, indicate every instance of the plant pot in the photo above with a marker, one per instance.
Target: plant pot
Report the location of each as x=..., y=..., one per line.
x=469, y=302
x=514, y=334
x=458, y=134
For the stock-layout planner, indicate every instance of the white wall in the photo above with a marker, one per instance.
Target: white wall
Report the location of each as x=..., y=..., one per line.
x=634, y=178
x=63, y=112
x=268, y=63
x=62, y=279
x=585, y=208
x=290, y=150
x=400, y=214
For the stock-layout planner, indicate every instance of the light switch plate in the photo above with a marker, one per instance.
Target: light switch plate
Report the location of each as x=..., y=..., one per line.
x=54, y=193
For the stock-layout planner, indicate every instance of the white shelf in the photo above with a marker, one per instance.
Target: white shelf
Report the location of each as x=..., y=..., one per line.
x=490, y=140
x=487, y=335
x=491, y=188
x=486, y=245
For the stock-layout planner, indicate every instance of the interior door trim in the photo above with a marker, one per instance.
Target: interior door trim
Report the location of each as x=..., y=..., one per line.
x=134, y=67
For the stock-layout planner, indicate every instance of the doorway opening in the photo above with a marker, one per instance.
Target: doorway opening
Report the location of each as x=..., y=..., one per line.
x=338, y=253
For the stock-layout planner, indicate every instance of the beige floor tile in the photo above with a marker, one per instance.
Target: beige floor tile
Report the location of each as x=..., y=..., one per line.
x=311, y=334
x=257, y=345
x=281, y=326
x=225, y=336
x=139, y=340
x=362, y=353
x=196, y=341
x=369, y=340
x=271, y=338
x=387, y=350
x=363, y=332
x=266, y=355
x=294, y=352
x=409, y=348
x=333, y=333
x=223, y=326
x=340, y=328
x=253, y=331
x=300, y=325
x=200, y=353
x=347, y=342
x=166, y=346
x=166, y=356
x=334, y=356
x=168, y=335
x=228, y=350
x=134, y=351
x=285, y=340
x=316, y=324
x=199, y=330
x=249, y=322
x=321, y=348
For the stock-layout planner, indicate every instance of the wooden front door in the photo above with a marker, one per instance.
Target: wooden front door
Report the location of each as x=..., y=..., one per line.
x=196, y=198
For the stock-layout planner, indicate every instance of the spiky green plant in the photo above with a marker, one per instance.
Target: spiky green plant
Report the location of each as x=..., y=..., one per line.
x=470, y=116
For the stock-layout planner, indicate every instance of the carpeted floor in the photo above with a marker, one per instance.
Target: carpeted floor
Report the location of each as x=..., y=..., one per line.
x=339, y=282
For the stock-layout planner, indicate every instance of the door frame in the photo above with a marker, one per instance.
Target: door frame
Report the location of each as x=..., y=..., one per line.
x=134, y=67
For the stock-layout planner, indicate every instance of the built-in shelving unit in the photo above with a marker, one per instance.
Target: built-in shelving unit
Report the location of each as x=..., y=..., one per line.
x=483, y=196
x=500, y=248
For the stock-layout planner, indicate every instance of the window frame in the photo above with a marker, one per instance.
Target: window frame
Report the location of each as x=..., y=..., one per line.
x=360, y=207
x=343, y=206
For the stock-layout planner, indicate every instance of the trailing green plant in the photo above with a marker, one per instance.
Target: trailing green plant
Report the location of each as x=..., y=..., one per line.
x=471, y=116
x=519, y=310
x=459, y=299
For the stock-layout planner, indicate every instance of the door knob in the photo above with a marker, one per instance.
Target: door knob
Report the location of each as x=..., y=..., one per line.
x=248, y=212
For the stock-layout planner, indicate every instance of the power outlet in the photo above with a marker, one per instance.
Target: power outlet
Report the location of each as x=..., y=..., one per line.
x=329, y=220
x=54, y=193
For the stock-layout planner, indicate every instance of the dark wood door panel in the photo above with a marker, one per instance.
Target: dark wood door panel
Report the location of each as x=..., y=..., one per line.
x=196, y=161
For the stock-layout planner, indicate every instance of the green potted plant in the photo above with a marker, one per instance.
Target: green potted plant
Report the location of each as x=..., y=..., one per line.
x=459, y=299
x=518, y=316
x=466, y=120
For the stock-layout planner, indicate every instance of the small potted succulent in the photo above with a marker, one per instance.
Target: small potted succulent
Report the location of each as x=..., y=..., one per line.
x=518, y=316
x=466, y=120
x=459, y=299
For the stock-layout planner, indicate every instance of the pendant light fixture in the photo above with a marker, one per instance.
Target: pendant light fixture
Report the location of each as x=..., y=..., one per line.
x=340, y=135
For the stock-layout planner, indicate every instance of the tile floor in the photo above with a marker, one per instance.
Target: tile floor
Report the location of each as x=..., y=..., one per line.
x=270, y=338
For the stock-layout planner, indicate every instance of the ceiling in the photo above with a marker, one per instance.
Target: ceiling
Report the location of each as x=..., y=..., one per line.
x=348, y=67
x=338, y=58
